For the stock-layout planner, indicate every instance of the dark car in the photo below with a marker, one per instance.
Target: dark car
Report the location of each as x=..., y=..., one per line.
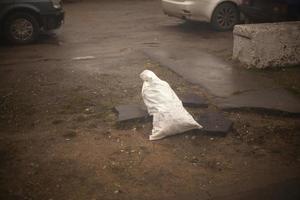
x=22, y=20
x=271, y=10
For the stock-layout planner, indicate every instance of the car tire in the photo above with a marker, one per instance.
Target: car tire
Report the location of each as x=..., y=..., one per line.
x=225, y=16
x=21, y=28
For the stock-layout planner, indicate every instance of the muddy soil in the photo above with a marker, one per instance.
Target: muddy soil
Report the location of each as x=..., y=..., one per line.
x=58, y=133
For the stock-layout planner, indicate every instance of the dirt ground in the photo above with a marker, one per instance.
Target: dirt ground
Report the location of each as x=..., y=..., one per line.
x=58, y=133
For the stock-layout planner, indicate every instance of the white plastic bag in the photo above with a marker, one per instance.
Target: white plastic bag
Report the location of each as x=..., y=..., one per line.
x=169, y=115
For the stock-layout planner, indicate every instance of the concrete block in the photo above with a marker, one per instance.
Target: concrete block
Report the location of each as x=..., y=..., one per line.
x=215, y=124
x=193, y=100
x=131, y=112
x=267, y=45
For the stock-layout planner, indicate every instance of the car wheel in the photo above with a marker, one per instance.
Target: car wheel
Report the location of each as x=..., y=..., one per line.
x=21, y=28
x=225, y=16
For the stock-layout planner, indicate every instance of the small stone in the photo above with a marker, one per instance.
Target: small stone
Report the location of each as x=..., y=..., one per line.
x=193, y=137
x=116, y=191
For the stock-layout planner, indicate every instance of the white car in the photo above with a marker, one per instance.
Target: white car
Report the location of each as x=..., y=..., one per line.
x=222, y=14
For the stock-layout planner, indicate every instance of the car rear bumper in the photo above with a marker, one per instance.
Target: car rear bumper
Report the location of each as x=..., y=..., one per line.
x=54, y=20
x=180, y=9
